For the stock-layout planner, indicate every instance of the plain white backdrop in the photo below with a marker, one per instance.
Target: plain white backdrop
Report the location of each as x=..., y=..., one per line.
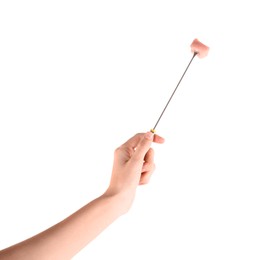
x=78, y=78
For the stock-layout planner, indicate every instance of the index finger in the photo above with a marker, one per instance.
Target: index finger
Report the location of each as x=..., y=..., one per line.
x=135, y=140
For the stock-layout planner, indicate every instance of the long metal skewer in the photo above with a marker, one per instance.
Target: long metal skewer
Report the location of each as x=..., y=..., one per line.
x=154, y=128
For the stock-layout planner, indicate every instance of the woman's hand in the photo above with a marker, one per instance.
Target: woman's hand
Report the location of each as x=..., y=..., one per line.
x=133, y=165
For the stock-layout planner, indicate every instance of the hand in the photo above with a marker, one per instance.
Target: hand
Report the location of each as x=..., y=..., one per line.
x=133, y=166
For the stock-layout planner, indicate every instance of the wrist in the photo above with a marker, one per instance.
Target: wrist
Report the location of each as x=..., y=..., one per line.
x=121, y=201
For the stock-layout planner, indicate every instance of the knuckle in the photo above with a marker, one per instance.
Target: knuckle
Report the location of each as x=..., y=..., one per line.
x=138, y=134
x=117, y=150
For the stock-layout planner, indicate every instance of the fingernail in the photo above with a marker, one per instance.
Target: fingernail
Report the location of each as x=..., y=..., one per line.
x=149, y=136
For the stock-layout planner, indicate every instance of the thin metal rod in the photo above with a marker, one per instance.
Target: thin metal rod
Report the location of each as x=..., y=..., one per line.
x=153, y=129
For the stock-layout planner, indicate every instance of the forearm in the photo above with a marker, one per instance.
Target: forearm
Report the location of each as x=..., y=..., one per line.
x=68, y=237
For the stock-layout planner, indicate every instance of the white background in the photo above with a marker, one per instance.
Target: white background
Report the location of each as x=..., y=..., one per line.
x=78, y=78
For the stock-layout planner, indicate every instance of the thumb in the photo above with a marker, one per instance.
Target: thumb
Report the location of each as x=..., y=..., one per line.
x=143, y=146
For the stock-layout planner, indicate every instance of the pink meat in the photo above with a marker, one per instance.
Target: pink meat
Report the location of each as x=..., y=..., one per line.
x=201, y=49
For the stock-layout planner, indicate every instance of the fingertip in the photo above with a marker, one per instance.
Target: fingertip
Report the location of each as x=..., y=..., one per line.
x=158, y=139
x=149, y=136
x=145, y=179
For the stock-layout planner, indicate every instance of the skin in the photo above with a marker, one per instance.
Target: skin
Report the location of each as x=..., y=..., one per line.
x=133, y=165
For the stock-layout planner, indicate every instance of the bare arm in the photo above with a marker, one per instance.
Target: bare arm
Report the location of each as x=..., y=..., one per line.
x=65, y=239
x=133, y=165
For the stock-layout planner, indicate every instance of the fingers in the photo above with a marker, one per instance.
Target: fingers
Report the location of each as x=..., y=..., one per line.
x=148, y=167
x=137, y=146
x=145, y=143
x=143, y=146
x=146, y=175
x=134, y=141
x=158, y=139
x=149, y=157
x=145, y=178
